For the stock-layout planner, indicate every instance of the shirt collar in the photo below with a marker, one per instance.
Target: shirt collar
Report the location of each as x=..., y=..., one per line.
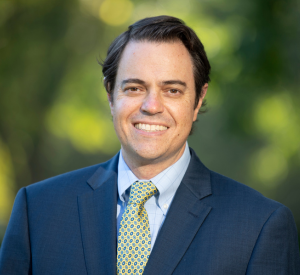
x=166, y=182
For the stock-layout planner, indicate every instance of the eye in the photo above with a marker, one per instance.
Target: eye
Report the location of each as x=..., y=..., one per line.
x=132, y=89
x=174, y=91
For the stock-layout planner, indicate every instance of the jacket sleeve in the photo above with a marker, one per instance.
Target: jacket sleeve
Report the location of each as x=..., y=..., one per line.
x=276, y=250
x=15, y=250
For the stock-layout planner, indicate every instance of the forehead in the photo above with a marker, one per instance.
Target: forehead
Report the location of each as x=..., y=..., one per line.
x=156, y=60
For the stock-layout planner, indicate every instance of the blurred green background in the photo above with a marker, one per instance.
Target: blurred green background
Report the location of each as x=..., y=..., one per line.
x=54, y=114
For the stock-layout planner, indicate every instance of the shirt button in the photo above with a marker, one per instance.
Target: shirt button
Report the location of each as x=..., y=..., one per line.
x=165, y=206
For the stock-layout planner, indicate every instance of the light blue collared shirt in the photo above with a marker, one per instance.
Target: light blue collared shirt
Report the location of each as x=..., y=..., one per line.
x=166, y=183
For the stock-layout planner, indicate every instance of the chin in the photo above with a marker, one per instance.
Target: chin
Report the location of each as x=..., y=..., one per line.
x=148, y=154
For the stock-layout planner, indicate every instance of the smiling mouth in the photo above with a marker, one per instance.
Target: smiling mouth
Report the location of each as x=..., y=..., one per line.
x=150, y=127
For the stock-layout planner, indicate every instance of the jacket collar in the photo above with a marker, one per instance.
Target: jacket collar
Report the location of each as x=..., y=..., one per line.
x=195, y=173
x=197, y=177
x=104, y=172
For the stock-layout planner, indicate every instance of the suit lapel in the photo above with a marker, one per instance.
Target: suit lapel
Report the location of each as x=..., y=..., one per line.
x=183, y=220
x=97, y=213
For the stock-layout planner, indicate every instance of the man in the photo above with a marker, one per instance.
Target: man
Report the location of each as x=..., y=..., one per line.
x=154, y=208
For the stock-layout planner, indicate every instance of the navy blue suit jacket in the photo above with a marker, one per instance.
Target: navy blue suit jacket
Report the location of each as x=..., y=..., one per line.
x=67, y=225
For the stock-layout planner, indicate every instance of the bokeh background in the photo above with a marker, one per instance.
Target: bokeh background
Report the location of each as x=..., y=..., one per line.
x=54, y=114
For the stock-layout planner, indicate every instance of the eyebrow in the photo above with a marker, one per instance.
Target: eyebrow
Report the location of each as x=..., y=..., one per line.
x=133, y=80
x=168, y=82
x=142, y=82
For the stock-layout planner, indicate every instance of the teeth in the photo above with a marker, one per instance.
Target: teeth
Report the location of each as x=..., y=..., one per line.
x=150, y=128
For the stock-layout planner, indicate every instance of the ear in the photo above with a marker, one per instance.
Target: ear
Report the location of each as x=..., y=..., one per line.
x=110, y=100
x=203, y=93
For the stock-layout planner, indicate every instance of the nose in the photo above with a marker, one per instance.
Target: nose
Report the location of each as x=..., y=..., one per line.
x=152, y=103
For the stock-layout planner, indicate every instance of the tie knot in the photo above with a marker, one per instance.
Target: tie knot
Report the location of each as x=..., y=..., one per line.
x=141, y=191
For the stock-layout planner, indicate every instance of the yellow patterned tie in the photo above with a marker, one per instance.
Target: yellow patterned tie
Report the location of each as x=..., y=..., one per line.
x=134, y=240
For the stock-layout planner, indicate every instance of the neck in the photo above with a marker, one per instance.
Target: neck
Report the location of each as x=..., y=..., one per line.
x=147, y=169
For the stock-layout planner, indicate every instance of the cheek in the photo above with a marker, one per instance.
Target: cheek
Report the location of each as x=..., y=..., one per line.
x=183, y=113
x=125, y=107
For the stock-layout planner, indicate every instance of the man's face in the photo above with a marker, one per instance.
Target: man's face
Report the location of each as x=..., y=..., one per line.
x=153, y=101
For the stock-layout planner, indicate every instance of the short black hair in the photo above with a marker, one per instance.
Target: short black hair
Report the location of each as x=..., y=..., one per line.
x=158, y=29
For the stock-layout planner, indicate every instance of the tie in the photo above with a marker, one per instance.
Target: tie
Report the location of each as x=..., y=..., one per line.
x=134, y=240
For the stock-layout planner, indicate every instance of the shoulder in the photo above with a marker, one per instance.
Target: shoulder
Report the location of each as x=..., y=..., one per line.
x=71, y=183
x=264, y=227
x=247, y=212
x=71, y=179
x=243, y=202
x=226, y=192
x=229, y=189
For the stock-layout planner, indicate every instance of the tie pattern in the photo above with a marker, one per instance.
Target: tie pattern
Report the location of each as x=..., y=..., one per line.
x=134, y=239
